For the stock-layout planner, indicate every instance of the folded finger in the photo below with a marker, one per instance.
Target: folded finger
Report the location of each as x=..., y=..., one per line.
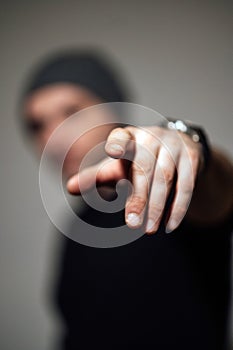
x=186, y=174
x=141, y=175
x=165, y=171
x=117, y=142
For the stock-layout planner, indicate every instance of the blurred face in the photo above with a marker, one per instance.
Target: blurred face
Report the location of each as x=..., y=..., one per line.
x=46, y=108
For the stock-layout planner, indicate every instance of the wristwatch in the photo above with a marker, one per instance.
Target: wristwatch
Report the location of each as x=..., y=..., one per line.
x=196, y=133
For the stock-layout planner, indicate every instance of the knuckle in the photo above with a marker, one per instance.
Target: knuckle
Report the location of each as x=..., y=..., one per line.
x=136, y=204
x=168, y=175
x=158, y=130
x=137, y=168
x=141, y=168
x=119, y=133
x=194, y=155
x=145, y=137
x=155, y=209
x=160, y=179
x=117, y=130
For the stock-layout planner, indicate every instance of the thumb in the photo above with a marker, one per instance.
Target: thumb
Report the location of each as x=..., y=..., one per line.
x=109, y=170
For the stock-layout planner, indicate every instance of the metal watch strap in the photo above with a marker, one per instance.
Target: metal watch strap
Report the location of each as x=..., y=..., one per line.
x=195, y=132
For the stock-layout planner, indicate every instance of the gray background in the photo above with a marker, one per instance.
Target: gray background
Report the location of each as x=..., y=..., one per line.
x=178, y=57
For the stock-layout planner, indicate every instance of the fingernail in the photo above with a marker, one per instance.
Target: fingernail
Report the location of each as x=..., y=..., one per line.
x=116, y=148
x=149, y=226
x=168, y=230
x=171, y=226
x=133, y=220
x=71, y=182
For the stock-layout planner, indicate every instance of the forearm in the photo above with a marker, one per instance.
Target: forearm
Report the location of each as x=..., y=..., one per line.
x=212, y=199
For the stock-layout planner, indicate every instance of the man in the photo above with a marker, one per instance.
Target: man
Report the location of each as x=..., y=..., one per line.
x=160, y=291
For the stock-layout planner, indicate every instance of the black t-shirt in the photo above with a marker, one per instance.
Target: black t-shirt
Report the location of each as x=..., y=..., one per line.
x=165, y=291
